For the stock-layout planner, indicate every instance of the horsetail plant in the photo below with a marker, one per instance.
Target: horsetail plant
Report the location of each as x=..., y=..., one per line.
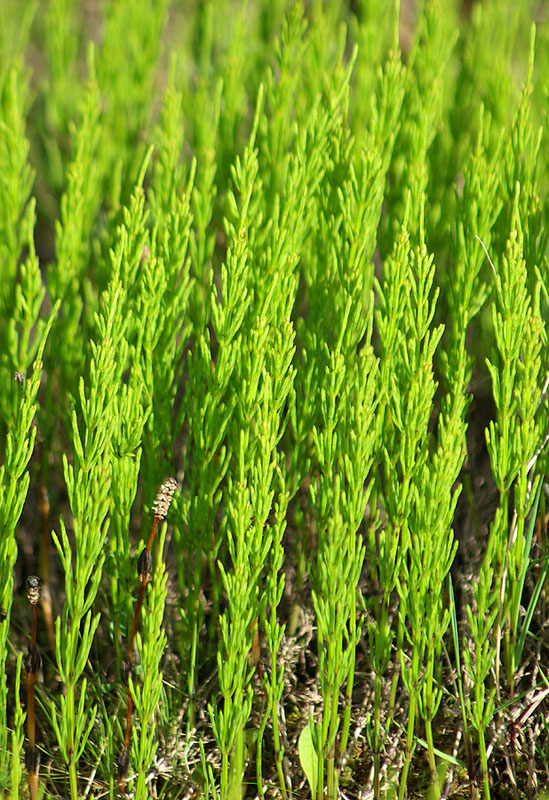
x=345, y=446
x=131, y=406
x=345, y=443
x=254, y=236
x=149, y=697
x=479, y=660
x=513, y=440
x=62, y=31
x=14, y=484
x=78, y=208
x=144, y=570
x=18, y=209
x=387, y=546
x=18, y=733
x=273, y=678
x=131, y=34
x=209, y=405
x=432, y=551
x=246, y=543
x=88, y=482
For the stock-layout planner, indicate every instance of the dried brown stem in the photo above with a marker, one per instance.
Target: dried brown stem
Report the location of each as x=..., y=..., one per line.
x=45, y=543
x=33, y=663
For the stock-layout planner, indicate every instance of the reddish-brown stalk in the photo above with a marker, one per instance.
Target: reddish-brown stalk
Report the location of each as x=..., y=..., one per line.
x=32, y=756
x=144, y=570
x=44, y=508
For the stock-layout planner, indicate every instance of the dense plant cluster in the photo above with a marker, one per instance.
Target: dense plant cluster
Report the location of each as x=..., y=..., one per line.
x=295, y=255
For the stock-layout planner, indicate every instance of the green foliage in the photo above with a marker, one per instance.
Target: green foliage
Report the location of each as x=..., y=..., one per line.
x=14, y=485
x=148, y=694
x=309, y=764
x=295, y=254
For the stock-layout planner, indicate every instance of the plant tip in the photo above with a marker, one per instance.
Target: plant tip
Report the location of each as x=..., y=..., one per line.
x=33, y=589
x=164, y=498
